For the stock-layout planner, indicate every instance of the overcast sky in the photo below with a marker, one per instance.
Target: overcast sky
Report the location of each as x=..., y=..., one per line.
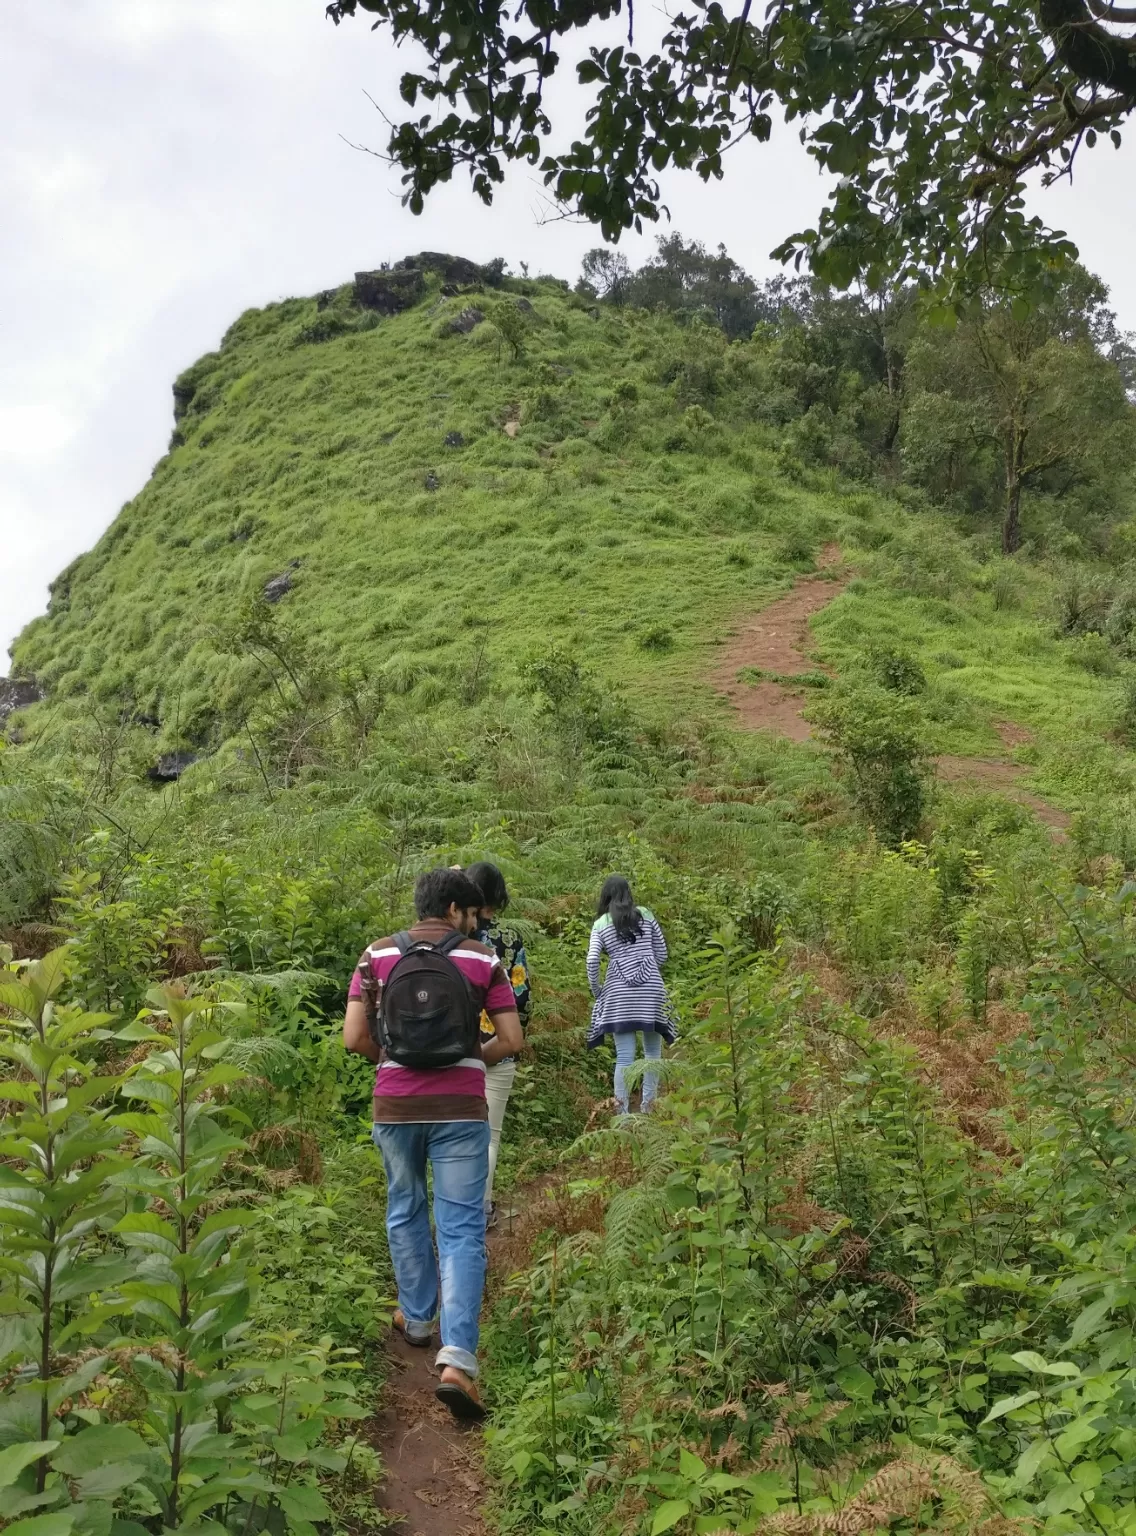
x=164, y=164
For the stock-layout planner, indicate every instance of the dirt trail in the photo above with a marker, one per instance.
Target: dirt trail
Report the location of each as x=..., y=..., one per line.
x=435, y=1483
x=435, y=1476
x=778, y=640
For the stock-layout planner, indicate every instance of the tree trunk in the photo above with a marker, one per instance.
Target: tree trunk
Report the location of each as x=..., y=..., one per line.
x=1011, y=522
x=1011, y=518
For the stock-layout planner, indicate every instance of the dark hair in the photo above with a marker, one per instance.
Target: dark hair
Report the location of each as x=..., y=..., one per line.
x=618, y=903
x=491, y=883
x=439, y=889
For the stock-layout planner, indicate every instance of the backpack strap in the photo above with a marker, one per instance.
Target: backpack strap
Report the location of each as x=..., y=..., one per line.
x=447, y=945
x=402, y=942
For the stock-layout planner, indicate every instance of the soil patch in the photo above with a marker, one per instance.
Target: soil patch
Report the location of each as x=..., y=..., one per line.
x=777, y=640
x=435, y=1482
x=993, y=775
x=435, y=1477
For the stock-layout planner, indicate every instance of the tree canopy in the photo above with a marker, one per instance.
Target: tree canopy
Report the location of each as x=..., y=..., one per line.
x=931, y=117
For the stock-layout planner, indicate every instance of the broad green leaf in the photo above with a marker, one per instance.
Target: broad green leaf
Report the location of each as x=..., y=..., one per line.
x=106, y=1482
x=1007, y=1405
x=300, y=1502
x=290, y=1447
x=146, y=1230
x=1088, y=1321
x=225, y=1221
x=60, y=1522
x=98, y=1446
x=1032, y=1361
x=1031, y=1460
x=668, y=1515
x=690, y=1466
x=856, y=1382
x=15, y=1458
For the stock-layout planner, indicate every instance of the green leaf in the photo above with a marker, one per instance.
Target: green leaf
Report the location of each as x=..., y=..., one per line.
x=1030, y=1461
x=1032, y=1361
x=855, y=1381
x=106, y=1482
x=224, y=1221
x=1007, y=1405
x=691, y=1467
x=300, y=1502
x=290, y=1447
x=14, y=1458
x=668, y=1515
x=98, y=1446
x=1086, y=1324
x=59, y=1523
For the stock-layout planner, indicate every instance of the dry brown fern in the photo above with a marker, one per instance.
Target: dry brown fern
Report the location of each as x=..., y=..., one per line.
x=899, y=1490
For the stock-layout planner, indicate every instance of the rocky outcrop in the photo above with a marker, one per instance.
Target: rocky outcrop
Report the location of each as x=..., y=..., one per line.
x=171, y=765
x=18, y=693
x=279, y=586
x=455, y=271
x=462, y=324
x=389, y=291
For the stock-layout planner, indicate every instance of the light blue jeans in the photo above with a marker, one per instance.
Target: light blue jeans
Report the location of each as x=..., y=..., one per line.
x=625, y=1055
x=458, y=1151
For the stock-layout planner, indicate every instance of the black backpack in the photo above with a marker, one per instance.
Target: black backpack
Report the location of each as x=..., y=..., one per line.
x=428, y=1016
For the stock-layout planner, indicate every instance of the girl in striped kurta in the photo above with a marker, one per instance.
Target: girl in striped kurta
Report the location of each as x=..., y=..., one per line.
x=632, y=999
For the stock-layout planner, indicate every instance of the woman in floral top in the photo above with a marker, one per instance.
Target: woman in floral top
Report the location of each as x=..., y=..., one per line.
x=510, y=951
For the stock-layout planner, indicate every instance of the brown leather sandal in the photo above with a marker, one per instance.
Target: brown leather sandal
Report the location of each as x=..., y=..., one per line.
x=459, y=1394
x=398, y=1321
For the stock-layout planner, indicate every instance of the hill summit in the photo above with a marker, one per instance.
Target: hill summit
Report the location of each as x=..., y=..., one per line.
x=430, y=464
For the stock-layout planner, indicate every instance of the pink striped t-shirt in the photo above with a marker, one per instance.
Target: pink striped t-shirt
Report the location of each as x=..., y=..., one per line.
x=404, y=1095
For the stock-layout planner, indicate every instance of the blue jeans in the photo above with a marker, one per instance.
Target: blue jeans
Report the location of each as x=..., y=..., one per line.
x=458, y=1151
x=625, y=1055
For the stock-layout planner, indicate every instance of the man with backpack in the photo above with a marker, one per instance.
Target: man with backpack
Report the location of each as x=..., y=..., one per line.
x=414, y=1007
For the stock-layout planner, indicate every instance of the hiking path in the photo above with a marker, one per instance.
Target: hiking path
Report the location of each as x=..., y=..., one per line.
x=777, y=640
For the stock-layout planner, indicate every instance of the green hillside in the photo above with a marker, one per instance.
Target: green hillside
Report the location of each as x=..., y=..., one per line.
x=375, y=459
x=421, y=587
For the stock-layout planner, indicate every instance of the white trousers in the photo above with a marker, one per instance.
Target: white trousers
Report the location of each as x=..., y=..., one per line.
x=498, y=1086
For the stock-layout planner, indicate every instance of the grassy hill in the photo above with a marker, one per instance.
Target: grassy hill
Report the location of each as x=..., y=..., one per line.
x=424, y=587
x=375, y=466
x=432, y=508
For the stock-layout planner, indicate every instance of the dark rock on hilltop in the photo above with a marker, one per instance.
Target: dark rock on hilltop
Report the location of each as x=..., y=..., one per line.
x=431, y=482
x=18, y=693
x=390, y=291
x=456, y=270
x=455, y=440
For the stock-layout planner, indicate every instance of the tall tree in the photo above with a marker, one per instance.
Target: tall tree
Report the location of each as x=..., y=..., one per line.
x=1028, y=387
x=931, y=116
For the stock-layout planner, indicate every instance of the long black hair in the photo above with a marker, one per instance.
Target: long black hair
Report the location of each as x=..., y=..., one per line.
x=617, y=902
x=491, y=883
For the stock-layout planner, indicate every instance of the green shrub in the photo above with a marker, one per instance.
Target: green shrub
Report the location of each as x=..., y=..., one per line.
x=877, y=737
x=1081, y=602
x=1092, y=652
x=797, y=547
x=657, y=637
x=896, y=670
